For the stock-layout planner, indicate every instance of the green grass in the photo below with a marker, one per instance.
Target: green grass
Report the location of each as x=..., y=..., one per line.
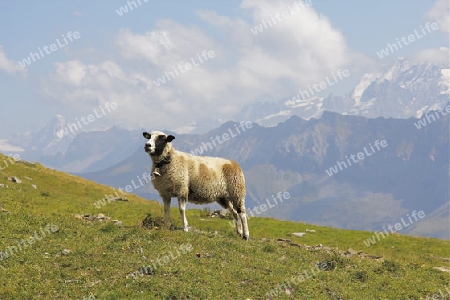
x=107, y=261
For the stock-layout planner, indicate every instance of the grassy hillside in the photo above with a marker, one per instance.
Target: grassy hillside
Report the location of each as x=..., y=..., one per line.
x=53, y=254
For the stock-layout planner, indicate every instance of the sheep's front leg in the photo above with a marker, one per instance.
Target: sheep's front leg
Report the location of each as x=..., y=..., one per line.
x=166, y=201
x=182, y=205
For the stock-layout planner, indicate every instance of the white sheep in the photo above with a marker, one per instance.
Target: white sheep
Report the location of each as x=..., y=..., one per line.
x=196, y=179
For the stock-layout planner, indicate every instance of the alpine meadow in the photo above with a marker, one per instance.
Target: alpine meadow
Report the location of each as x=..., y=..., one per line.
x=240, y=149
x=119, y=251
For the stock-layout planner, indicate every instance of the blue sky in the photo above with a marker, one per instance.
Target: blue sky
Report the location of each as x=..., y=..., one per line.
x=119, y=58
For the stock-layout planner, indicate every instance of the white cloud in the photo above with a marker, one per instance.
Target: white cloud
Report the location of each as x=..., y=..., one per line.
x=7, y=148
x=85, y=87
x=301, y=50
x=8, y=65
x=439, y=56
x=169, y=44
x=440, y=13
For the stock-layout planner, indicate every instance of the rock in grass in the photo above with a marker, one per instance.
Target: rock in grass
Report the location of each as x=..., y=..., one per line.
x=15, y=179
x=443, y=269
x=351, y=251
x=101, y=217
x=299, y=234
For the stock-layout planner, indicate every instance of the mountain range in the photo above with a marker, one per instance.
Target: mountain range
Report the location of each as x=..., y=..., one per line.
x=403, y=90
x=307, y=147
x=312, y=161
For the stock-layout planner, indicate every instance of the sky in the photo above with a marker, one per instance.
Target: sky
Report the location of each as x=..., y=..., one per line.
x=166, y=64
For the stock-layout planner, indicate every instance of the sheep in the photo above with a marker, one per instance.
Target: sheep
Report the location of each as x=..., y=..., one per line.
x=196, y=179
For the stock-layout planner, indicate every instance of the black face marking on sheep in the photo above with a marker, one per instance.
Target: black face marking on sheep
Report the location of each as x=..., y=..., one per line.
x=156, y=143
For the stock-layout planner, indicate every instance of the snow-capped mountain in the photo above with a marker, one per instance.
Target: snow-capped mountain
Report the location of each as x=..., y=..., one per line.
x=58, y=146
x=50, y=140
x=405, y=89
x=44, y=142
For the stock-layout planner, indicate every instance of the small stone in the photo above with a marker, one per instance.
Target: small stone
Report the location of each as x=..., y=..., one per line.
x=34, y=186
x=351, y=251
x=299, y=234
x=224, y=213
x=122, y=199
x=441, y=258
x=15, y=179
x=117, y=222
x=66, y=252
x=310, y=230
x=443, y=269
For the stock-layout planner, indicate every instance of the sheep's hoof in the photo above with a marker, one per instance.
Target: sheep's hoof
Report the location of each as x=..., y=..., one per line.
x=244, y=237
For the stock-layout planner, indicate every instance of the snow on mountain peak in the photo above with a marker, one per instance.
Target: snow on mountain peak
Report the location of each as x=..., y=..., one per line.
x=445, y=81
x=365, y=82
x=407, y=88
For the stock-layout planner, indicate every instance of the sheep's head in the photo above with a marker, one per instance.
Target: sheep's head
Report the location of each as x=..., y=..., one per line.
x=157, y=142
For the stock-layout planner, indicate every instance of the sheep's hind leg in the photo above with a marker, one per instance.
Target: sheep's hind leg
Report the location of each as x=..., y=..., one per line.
x=238, y=225
x=243, y=217
x=182, y=206
x=166, y=201
x=237, y=219
x=245, y=225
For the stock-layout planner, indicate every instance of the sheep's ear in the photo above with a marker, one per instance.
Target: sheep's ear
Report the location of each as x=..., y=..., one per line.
x=170, y=138
x=146, y=135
